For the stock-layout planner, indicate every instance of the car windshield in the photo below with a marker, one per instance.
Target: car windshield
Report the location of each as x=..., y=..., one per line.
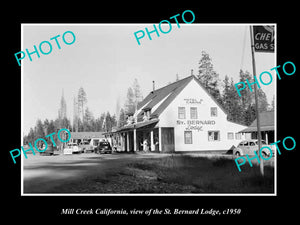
x=243, y=143
x=262, y=142
x=104, y=143
x=96, y=142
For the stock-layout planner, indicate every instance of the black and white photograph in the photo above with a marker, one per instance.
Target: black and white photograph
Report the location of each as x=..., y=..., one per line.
x=133, y=112
x=160, y=116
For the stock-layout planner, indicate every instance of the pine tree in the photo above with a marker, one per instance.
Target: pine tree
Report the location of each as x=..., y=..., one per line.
x=134, y=97
x=137, y=93
x=130, y=103
x=75, y=114
x=246, y=97
x=39, y=132
x=51, y=128
x=102, y=122
x=39, y=129
x=122, y=118
x=30, y=138
x=231, y=101
x=62, y=112
x=262, y=101
x=99, y=122
x=88, y=120
x=226, y=94
x=208, y=77
x=82, y=101
x=249, y=114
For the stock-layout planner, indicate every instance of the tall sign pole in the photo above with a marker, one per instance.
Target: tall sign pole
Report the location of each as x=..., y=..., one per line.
x=261, y=165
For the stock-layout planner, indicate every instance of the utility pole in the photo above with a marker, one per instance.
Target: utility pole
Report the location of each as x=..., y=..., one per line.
x=261, y=165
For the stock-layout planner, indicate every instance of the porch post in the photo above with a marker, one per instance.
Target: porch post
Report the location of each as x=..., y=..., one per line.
x=152, y=147
x=122, y=141
x=159, y=139
x=267, y=141
x=127, y=136
x=134, y=140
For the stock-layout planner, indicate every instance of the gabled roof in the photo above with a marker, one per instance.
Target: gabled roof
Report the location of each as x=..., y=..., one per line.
x=266, y=122
x=154, y=97
x=168, y=92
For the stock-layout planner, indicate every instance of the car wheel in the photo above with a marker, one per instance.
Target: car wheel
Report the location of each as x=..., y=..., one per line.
x=264, y=154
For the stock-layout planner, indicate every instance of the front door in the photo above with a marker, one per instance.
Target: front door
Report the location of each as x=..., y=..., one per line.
x=167, y=139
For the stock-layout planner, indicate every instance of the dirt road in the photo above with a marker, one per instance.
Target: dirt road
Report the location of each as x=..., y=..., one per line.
x=126, y=173
x=43, y=174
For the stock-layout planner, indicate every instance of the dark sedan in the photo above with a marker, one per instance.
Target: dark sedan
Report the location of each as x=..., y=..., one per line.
x=103, y=147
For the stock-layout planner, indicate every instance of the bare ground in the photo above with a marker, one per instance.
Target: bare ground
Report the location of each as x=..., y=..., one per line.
x=141, y=173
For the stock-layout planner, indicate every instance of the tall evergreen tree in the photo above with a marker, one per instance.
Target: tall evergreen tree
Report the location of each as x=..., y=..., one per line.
x=231, y=101
x=130, y=101
x=262, y=101
x=246, y=95
x=137, y=93
x=88, y=120
x=122, y=118
x=75, y=114
x=226, y=94
x=249, y=114
x=39, y=129
x=82, y=101
x=208, y=77
x=62, y=111
x=39, y=132
x=30, y=138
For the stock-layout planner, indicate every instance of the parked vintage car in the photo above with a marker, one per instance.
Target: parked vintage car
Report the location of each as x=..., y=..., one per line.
x=49, y=150
x=72, y=148
x=103, y=147
x=89, y=145
x=249, y=146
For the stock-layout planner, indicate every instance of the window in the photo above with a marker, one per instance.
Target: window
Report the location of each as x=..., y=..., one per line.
x=252, y=143
x=147, y=114
x=194, y=113
x=230, y=135
x=188, y=137
x=181, y=112
x=213, y=111
x=238, y=136
x=213, y=135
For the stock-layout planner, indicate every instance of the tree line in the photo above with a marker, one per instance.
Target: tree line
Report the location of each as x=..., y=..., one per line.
x=83, y=119
x=239, y=109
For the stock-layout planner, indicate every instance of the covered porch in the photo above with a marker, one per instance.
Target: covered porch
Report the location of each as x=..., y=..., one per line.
x=144, y=136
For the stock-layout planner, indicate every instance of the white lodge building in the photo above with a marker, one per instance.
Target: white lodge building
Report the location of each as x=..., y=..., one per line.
x=179, y=117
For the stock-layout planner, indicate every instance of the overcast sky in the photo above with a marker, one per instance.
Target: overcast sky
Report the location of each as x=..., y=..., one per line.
x=105, y=59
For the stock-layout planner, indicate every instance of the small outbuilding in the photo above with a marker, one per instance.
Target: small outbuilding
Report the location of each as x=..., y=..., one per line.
x=86, y=140
x=267, y=127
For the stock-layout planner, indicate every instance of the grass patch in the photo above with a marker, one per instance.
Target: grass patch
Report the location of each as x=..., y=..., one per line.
x=207, y=175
